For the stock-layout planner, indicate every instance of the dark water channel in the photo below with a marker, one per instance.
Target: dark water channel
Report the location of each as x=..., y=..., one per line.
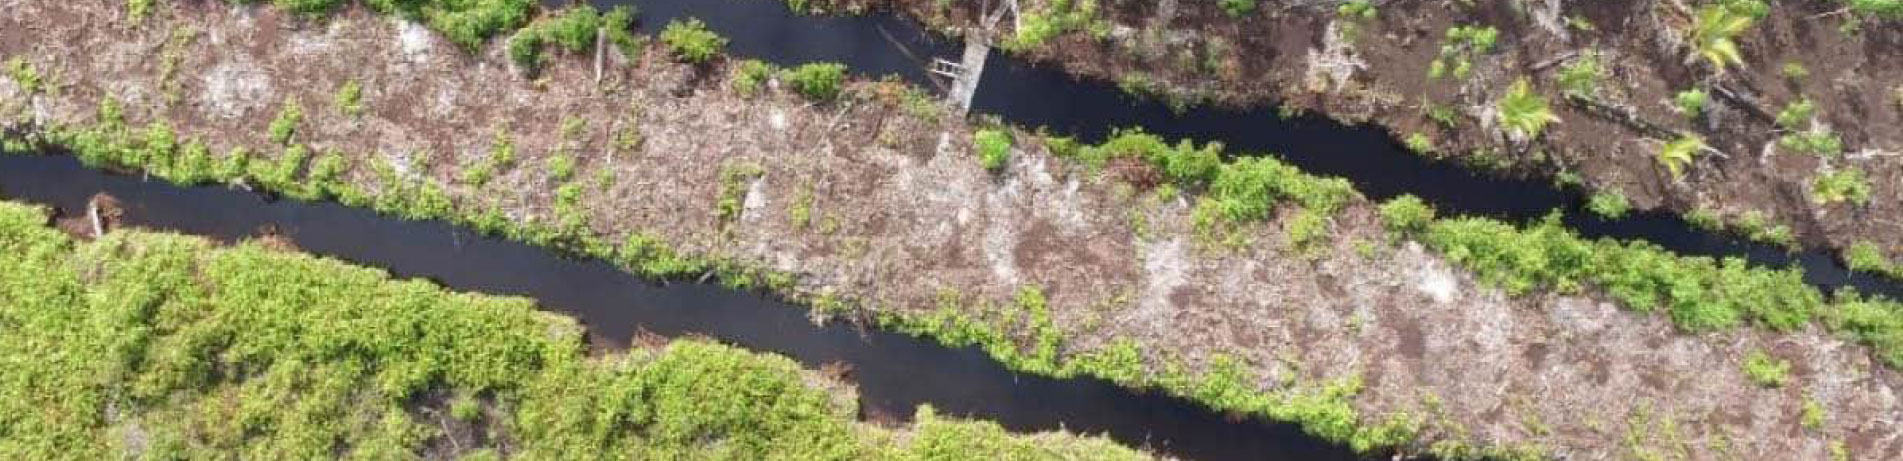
x=883, y=43
x=894, y=372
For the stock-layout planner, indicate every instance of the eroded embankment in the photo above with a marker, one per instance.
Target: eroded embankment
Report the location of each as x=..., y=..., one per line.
x=878, y=198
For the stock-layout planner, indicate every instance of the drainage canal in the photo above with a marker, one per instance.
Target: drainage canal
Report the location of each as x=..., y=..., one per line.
x=894, y=372
x=882, y=43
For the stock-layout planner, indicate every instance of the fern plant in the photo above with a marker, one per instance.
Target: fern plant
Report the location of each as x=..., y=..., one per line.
x=1713, y=32
x=1523, y=112
x=1678, y=154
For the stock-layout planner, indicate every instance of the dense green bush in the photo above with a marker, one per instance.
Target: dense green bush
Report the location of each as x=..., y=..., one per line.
x=1611, y=205
x=750, y=75
x=1406, y=214
x=1237, y=8
x=691, y=42
x=251, y=352
x=994, y=148
x=818, y=81
x=1886, y=9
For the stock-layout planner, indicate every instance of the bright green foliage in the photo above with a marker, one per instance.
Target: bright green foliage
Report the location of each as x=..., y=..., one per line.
x=285, y=124
x=1864, y=256
x=1713, y=33
x=1691, y=102
x=994, y=148
x=1361, y=9
x=1306, y=229
x=1765, y=370
x=750, y=75
x=137, y=10
x=1848, y=184
x=250, y=352
x=349, y=98
x=1699, y=293
x=1818, y=142
x=818, y=81
x=465, y=22
x=1057, y=17
x=1184, y=163
x=1580, y=79
x=1523, y=112
x=1612, y=205
x=1680, y=153
x=619, y=26
x=1756, y=9
x=1885, y=9
x=1406, y=214
x=574, y=29
x=23, y=74
x=691, y=42
x=1237, y=8
x=1419, y=143
x=1246, y=189
x=1796, y=115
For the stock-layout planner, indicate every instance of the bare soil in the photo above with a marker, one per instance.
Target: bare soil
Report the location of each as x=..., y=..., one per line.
x=903, y=215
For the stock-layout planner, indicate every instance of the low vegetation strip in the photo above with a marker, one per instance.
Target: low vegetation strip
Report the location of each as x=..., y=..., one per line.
x=158, y=346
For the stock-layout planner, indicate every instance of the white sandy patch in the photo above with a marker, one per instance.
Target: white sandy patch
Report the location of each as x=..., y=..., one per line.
x=235, y=86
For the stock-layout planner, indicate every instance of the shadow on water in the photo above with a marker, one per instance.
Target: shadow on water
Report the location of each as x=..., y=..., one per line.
x=894, y=372
x=882, y=43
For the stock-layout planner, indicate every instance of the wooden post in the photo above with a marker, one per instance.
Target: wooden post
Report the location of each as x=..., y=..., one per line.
x=92, y=212
x=601, y=51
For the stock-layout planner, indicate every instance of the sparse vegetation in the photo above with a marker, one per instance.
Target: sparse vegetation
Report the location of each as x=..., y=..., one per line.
x=735, y=177
x=25, y=75
x=691, y=42
x=1864, y=256
x=1843, y=185
x=1419, y=143
x=1580, y=78
x=1765, y=370
x=1812, y=417
x=1458, y=49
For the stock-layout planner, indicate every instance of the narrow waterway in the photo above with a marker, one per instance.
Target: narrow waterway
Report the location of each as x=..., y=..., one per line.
x=882, y=43
x=895, y=373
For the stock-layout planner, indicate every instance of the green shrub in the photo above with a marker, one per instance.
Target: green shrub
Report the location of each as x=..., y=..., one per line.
x=1885, y=9
x=1794, y=70
x=994, y=148
x=1057, y=17
x=1796, y=115
x=137, y=10
x=818, y=81
x=1357, y=9
x=1819, y=142
x=691, y=42
x=1865, y=256
x=1848, y=184
x=1237, y=8
x=1765, y=370
x=24, y=75
x=1406, y=214
x=285, y=124
x=619, y=24
x=525, y=49
x=1523, y=112
x=349, y=99
x=1813, y=414
x=1580, y=78
x=574, y=29
x=1306, y=229
x=1612, y=205
x=750, y=75
x=1419, y=143
x=1691, y=102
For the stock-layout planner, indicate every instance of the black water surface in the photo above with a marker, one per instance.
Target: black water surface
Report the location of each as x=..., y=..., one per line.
x=894, y=372
x=883, y=43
